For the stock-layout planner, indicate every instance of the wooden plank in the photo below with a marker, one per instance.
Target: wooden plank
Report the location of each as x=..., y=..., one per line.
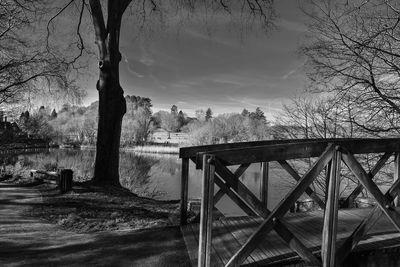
x=243, y=228
x=191, y=243
x=184, y=190
x=366, y=224
x=349, y=202
x=216, y=260
x=383, y=202
x=328, y=246
x=295, y=244
x=299, y=150
x=351, y=242
x=264, y=183
x=282, y=208
x=306, y=228
x=206, y=212
x=273, y=245
x=225, y=243
x=271, y=249
x=286, y=166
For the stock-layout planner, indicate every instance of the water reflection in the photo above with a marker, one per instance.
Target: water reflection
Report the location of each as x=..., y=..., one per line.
x=149, y=175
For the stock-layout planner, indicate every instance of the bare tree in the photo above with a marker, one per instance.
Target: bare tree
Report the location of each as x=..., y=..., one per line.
x=354, y=51
x=107, y=20
x=26, y=66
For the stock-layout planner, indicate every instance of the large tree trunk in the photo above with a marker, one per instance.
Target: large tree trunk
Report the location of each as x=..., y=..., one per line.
x=112, y=108
x=112, y=105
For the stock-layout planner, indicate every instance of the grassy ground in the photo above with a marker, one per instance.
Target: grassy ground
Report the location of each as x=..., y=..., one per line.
x=88, y=226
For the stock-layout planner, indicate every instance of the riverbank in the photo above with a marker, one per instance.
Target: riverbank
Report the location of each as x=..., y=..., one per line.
x=35, y=241
x=23, y=145
x=155, y=149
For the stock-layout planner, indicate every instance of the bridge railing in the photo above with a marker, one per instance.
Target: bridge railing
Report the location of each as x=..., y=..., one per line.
x=213, y=160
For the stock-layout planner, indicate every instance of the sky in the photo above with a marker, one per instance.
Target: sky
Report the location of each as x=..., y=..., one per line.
x=195, y=70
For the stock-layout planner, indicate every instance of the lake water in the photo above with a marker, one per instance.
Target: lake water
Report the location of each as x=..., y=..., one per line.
x=151, y=175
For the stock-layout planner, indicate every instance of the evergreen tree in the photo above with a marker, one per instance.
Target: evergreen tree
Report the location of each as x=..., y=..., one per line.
x=181, y=120
x=258, y=115
x=208, y=114
x=245, y=113
x=174, y=110
x=53, y=114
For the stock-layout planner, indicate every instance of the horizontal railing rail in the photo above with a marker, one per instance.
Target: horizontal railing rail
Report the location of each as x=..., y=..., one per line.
x=192, y=151
x=298, y=150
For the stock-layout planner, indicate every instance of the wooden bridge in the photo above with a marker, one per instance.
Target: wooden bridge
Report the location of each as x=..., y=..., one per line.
x=325, y=237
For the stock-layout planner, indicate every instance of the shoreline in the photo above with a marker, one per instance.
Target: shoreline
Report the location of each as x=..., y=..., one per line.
x=153, y=149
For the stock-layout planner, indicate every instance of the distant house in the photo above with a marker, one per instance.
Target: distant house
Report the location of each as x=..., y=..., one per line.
x=163, y=136
x=9, y=131
x=5, y=125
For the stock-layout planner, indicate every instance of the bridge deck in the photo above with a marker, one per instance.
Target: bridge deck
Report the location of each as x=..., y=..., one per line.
x=229, y=234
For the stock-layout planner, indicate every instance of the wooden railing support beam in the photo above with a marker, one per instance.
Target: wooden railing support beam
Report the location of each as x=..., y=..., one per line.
x=396, y=201
x=349, y=202
x=240, y=170
x=264, y=181
x=184, y=190
x=365, y=225
x=328, y=248
x=384, y=203
x=206, y=212
x=286, y=166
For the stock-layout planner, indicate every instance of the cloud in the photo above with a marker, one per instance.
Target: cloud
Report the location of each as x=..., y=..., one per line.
x=290, y=73
x=128, y=67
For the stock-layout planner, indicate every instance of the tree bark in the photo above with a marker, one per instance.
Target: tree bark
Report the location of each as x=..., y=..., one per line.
x=112, y=105
x=112, y=108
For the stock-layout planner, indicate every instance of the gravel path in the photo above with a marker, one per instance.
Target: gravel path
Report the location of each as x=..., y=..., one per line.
x=28, y=241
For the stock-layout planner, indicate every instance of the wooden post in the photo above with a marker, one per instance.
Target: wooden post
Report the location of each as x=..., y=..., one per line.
x=65, y=180
x=328, y=169
x=206, y=212
x=396, y=201
x=328, y=248
x=184, y=190
x=264, y=183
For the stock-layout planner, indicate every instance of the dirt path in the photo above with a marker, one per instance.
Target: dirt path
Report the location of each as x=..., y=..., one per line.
x=31, y=242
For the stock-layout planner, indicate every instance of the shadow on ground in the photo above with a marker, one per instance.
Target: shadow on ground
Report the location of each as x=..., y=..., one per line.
x=32, y=242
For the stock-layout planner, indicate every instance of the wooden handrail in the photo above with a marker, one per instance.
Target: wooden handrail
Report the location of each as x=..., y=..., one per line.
x=188, y=152
x=304, y=149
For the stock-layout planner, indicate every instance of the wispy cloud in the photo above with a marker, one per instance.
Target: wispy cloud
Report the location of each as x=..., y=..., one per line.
x=293, y=71
x=128, y=67
x=290, y=73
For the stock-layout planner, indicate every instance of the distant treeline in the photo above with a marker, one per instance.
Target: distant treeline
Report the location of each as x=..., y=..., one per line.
x=78, y=124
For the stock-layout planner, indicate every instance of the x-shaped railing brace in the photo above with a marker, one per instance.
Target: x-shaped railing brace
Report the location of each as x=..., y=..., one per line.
x=349, y=202
x=384, y=203
x=245, y=199
x=230, y=184
x=273, y=218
